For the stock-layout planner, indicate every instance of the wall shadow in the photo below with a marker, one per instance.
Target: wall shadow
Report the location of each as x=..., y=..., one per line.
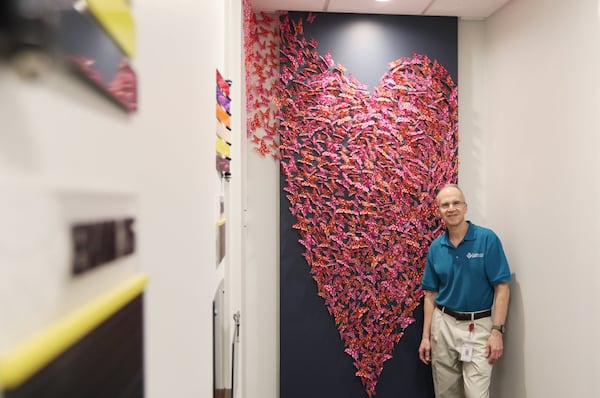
x=508, y=379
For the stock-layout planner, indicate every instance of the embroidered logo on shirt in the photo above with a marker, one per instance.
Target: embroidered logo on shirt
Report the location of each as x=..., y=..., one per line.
x=475, y=255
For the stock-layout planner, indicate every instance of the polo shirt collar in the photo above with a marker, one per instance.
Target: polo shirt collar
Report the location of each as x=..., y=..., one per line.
x=470, y=235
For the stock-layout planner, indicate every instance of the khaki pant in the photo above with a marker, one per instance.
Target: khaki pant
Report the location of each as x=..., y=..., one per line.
x=453, y=378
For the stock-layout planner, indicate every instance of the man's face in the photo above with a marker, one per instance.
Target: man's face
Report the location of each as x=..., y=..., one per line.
x=451, y=206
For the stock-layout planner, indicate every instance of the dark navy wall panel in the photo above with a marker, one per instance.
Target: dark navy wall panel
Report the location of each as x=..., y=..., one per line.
x=365, y=44
x=312, y=358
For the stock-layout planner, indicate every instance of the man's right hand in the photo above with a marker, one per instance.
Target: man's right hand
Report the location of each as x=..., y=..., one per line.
x=425, y=351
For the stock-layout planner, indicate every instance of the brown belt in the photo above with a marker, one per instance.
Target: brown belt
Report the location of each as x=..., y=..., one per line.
x=465, y=316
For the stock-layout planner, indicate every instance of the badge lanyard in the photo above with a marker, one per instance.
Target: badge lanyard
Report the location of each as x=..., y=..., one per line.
x=466, y=353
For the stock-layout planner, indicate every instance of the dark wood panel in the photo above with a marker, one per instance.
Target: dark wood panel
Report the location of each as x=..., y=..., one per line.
x=107, y=362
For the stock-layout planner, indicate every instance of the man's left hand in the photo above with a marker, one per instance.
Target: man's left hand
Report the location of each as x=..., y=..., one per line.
x=494, y=346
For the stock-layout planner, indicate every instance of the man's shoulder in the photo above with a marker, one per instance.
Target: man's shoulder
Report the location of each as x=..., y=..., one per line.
x=480, y=231
x=437, y=242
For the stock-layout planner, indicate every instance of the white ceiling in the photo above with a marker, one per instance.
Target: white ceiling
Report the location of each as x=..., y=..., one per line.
x=468, y=9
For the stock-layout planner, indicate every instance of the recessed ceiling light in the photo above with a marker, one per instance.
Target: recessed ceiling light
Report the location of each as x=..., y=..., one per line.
x=382, y=1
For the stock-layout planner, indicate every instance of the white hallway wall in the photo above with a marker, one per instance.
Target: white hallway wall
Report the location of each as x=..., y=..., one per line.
x=59, y=135
x=529, y=165
x=541, y=190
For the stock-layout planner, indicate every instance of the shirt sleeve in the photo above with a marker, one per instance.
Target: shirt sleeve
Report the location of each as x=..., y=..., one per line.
x=497, y=268
x=430, y=280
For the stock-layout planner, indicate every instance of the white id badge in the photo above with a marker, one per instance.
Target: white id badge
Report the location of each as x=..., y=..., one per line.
x=466, y=352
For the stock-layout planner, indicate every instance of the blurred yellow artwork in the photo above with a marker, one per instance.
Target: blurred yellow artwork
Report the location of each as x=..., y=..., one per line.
x=115, y=16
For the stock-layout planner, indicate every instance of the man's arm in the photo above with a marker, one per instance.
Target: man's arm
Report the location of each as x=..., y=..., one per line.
x=428, y=308
x=501, y=298
x=495, y=342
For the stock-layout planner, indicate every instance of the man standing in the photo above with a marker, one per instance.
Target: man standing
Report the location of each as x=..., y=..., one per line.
x=466, y=301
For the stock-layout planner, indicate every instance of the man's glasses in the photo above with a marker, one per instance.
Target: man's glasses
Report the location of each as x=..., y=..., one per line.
x=447, y=205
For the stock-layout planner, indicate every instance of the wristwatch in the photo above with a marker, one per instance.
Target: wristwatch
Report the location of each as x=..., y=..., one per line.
x=499, y=328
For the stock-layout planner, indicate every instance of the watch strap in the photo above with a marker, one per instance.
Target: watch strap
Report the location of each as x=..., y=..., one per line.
x=499, y=328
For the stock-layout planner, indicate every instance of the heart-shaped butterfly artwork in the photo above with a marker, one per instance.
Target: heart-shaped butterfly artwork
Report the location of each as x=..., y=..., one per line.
x=361, y=170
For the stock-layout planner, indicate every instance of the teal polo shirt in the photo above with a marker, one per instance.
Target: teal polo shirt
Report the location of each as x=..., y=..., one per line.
x=464, y=277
